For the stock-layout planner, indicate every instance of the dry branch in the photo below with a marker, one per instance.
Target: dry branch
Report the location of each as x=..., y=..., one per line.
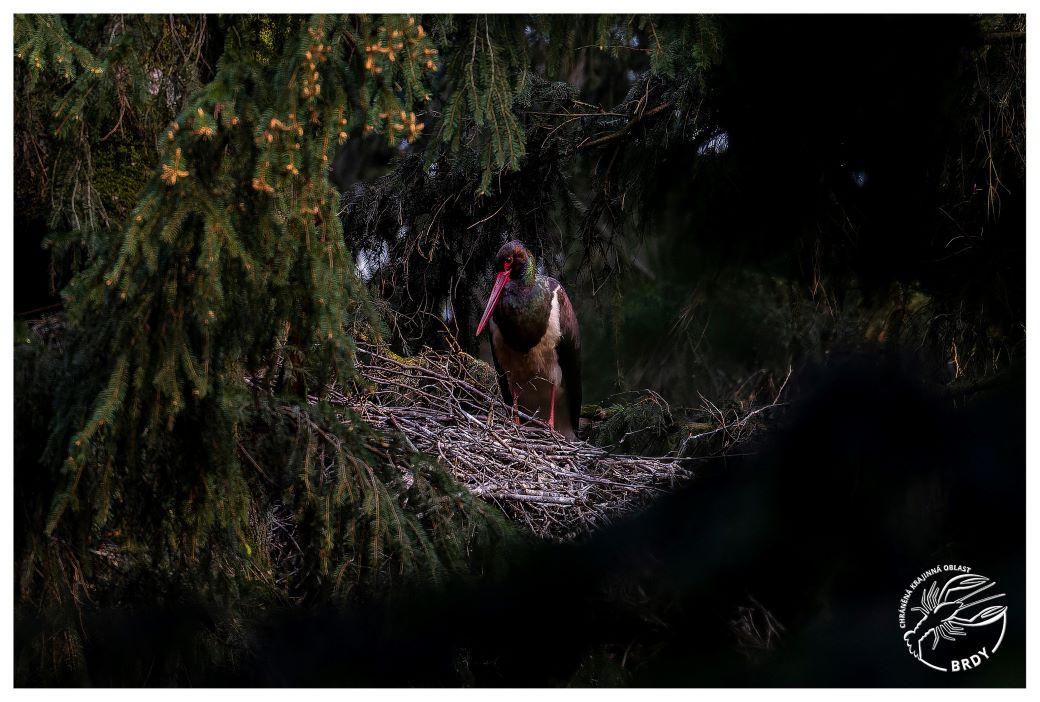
x=448, y=406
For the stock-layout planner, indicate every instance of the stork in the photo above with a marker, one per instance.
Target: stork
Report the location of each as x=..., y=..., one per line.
x=534, y=340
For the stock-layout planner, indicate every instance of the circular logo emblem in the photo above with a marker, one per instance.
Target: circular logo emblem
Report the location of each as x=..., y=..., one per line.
x=952, y=619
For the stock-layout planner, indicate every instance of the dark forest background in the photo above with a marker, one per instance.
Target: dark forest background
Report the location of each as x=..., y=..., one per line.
x=726, y=198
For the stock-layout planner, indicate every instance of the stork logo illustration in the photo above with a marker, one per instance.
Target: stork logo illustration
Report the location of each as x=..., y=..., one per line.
x=953, y=619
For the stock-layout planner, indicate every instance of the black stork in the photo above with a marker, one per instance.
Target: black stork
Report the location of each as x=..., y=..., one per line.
x=534, y=340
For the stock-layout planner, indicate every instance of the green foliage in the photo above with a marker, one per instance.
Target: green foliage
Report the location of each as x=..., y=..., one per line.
x=213, y=235
x=642, y=425
x=198, y=328
x=121, y=169
x=43, y=42
x=490, y=71
x=682, y=46
x=93, y=91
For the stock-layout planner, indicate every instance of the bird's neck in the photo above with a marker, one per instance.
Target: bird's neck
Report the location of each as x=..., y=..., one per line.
x=519, y=295
x=525, y=278
x=523, y=292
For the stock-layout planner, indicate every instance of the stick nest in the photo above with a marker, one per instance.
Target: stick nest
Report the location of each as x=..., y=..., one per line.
x=449, y=406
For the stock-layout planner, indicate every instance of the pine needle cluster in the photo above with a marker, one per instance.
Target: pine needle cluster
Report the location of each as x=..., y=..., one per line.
x=186, y=398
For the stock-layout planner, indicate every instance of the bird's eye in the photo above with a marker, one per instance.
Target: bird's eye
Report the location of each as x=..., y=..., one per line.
x=509, y=261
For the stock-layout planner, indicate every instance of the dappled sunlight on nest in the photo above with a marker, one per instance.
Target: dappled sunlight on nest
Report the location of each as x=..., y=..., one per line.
x=448, y=406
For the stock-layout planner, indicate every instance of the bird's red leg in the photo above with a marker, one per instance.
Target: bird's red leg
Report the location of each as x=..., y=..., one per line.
x=552, y=408
x=516, y=404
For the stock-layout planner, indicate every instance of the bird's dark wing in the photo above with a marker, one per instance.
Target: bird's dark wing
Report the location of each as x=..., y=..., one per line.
x=568, y=353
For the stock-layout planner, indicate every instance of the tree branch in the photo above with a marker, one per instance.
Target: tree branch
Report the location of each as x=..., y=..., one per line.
x=614, y=136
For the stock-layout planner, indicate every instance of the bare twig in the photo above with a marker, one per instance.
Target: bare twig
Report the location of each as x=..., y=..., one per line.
x=447, y=406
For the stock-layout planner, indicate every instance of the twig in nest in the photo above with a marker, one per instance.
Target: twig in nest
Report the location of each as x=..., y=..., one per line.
x=448, y=406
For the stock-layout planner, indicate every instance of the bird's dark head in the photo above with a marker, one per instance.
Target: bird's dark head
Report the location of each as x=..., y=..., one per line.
x=515, y=259
x=512, y=262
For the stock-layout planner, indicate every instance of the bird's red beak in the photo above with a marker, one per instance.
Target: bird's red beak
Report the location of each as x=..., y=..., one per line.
x=496, y=292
